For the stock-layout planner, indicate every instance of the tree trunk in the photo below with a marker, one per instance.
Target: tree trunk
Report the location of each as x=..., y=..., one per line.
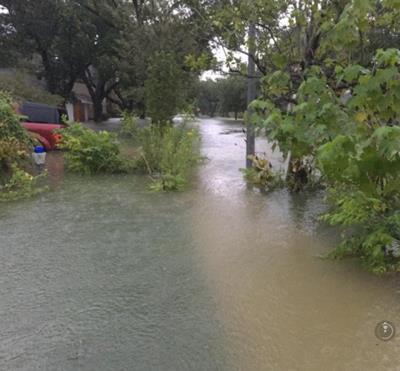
x=97, y=94
x=51, y=82
x=97, y=109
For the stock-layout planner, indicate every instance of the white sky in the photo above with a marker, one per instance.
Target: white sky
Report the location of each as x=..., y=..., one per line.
x=220, y=55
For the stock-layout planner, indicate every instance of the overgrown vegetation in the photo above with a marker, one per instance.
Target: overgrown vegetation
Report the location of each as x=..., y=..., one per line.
x=261, y=174
x=24, y=87
x=91, y=152
x=20, y=185
x=330, y=104
x=166, y=153
x=15, y=182
x=169, y=154
x=130, y=126
x=363, y=174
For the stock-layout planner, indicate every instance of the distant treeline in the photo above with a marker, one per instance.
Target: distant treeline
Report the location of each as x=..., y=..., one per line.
x=224, y=96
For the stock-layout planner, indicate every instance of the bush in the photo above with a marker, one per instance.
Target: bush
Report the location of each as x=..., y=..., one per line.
x=12, y=151
x=21, y=185
x=363, y=173
x=168, y=154
x=14, y=140
x=261, y=174
x=130, y=126
x=15, y=183
x=362, y=168
x=10, y=126
x=90, y=152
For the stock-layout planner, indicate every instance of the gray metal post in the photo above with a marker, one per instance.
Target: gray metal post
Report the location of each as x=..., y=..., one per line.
x=251, y=94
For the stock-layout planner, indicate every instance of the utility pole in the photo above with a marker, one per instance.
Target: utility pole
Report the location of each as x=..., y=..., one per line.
x=251, y=94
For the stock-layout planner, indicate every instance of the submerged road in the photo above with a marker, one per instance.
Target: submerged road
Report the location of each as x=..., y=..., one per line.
x=101, y=275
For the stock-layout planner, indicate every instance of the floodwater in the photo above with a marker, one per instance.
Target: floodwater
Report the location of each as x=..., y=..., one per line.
x=101, y=274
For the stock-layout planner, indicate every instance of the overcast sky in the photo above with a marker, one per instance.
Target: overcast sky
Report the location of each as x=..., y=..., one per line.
x=220, y=55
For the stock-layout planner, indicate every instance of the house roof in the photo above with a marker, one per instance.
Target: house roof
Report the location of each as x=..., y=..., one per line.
x=83, y=99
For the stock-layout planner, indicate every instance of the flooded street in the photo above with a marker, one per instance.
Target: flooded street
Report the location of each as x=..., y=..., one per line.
x=101, y=274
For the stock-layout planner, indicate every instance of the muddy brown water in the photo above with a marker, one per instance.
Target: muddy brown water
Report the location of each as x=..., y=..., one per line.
x=101, y=274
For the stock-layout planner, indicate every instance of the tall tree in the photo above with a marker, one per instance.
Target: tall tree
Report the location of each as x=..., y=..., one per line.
x=208, y=97
x=158, y=27
x=101, y=73
x=232, y=92
x=55, y=31
x=163, y=88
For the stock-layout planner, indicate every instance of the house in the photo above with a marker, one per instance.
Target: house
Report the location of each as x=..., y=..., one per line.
x=82, y=105
x=28, y=87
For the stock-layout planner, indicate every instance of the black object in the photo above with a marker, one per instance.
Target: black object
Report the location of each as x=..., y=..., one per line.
x=36, y=112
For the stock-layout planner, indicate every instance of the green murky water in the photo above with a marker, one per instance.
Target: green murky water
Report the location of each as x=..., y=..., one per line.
x=100, y=275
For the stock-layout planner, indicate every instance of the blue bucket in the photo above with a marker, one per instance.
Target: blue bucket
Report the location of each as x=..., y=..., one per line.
x=39, y=149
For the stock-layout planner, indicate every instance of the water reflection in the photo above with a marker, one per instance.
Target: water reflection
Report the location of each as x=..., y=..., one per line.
x=55, y=168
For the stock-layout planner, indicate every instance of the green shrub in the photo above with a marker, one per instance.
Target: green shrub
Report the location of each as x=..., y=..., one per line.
x=91, y=152
x=12, y=151
x=362, y=170
x=168, y=154
x=261, y=174
x=168, y=182
x=21, y=185
x=130, y=127
x=363, y=173
x=10, y=122
x=15, y=183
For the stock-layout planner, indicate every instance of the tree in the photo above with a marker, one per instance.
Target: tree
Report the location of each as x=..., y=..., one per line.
x=329, y=102
x=208, y=97
x=163, y=88
x=232, y=93
x=222, y=96
x=74, y=39
x=55, y=31
x=101, y=73
x=108, y=44
x=158, y=27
